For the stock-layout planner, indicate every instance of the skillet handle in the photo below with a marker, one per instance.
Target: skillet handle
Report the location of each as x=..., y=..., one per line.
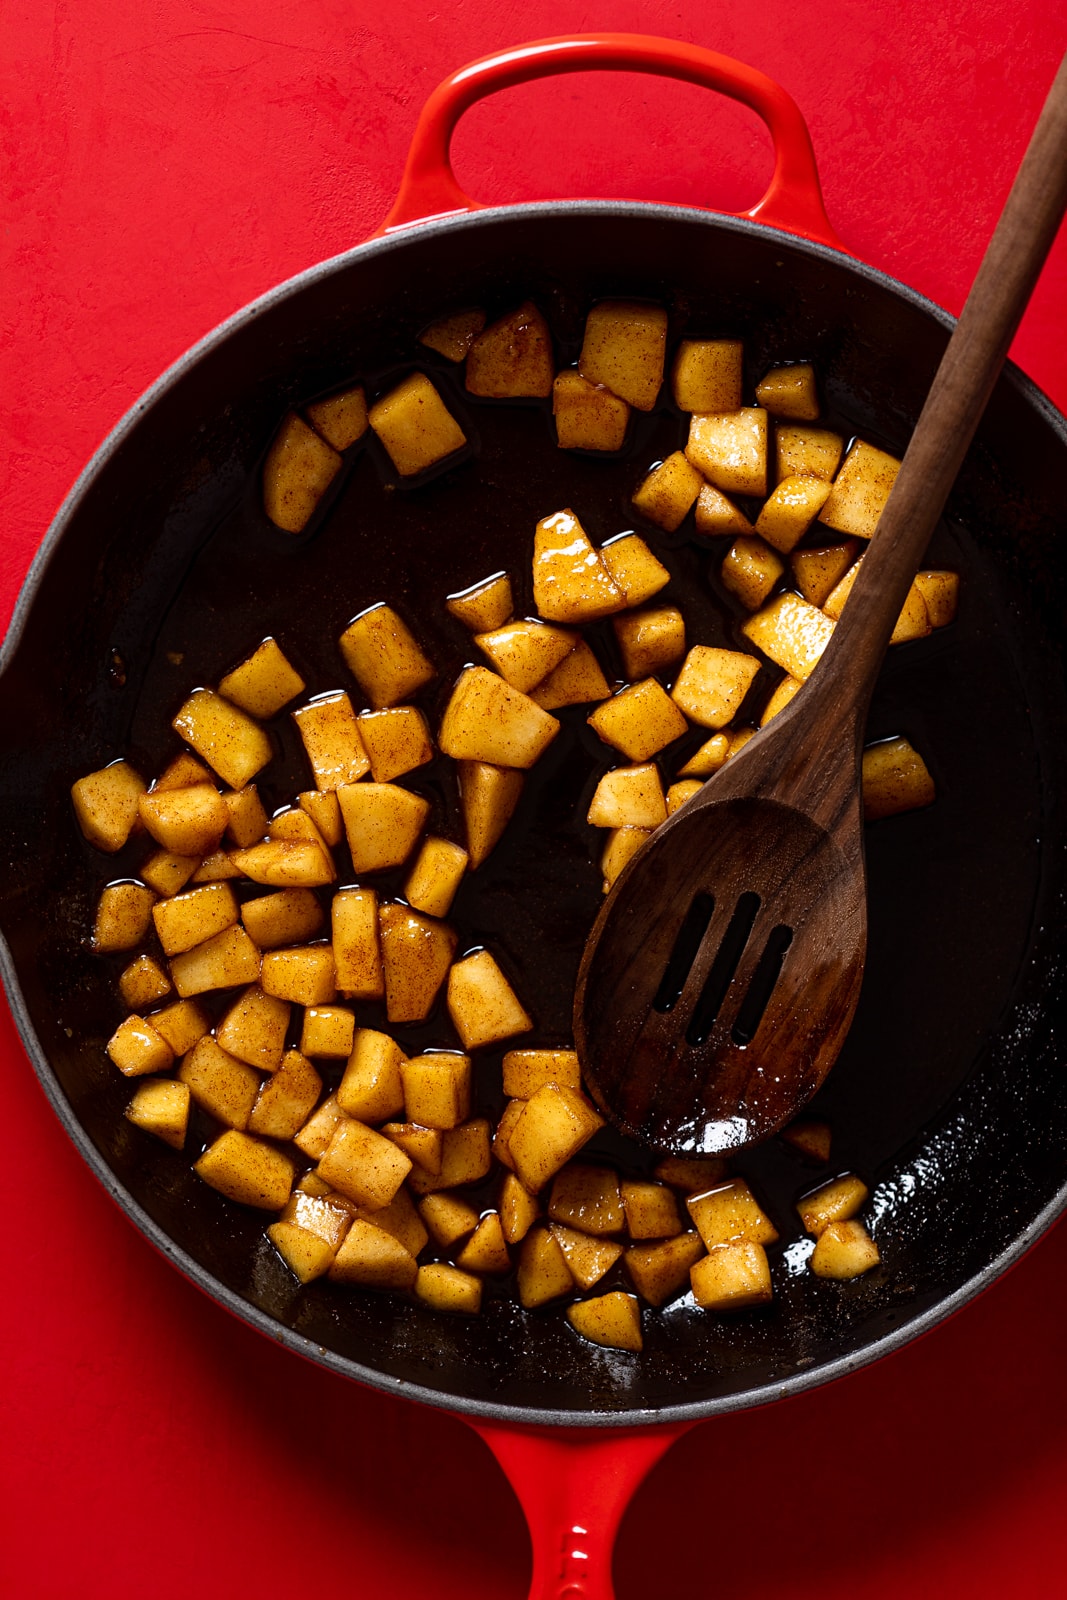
x=573, y=1490
x=793, y=201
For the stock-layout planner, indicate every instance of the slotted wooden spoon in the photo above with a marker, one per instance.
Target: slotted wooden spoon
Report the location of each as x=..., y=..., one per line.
x=722, y=974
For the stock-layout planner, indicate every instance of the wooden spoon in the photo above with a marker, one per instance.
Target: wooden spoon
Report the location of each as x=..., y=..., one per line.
x=722, y=974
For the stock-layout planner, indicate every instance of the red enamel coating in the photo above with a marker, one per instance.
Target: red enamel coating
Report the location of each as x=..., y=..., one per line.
x=793, y=201
x=573, y=1490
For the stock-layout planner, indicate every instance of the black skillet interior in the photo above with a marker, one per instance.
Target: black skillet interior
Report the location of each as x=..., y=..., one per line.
x=948, y=1100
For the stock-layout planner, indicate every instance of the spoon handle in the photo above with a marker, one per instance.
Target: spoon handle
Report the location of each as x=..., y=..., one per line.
x=956, y=401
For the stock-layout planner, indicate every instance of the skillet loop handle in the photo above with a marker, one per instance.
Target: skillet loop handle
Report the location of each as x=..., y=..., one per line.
x=793, y=201
x=573, y=1490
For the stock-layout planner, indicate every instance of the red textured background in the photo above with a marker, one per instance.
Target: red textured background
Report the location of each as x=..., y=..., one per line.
x=164, y=161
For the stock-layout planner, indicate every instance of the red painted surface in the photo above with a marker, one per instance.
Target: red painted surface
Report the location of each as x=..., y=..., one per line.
x=164, y=162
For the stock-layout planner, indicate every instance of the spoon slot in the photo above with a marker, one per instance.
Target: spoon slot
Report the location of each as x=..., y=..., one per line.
x=690, y=937
x=762, y=986
x=723, y=968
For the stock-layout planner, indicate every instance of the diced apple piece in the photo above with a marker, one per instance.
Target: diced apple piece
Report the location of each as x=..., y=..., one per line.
x=416, y=954
x=730, y=1212
x=487, y=721
x=187, y=822
x=137, y=1048
x=294, y=824
x=424, y=1145
x=789, y=512
x=371, y=1089
x=844, y=1250
x=940, y=592
x=556, y=1124
x=218, y=1082
x=807, y=453
x=254, y=1029
x=223, y=962
x=543, y=1271
x=305, y=1254
x=446, y=1288
x=669, y=492
x=435, y=877
x=356, y=944
x=779, y=699
x=679, y=793
x=142, y=982
x=713, y=683
x=488, y=795
x=181, y=1024
x=363, y=1165
x=860, y=490
x=526, y=1071
x=730, y=449
x=299, y=468
x=691, y=1174
x=792, y=633
x=190, y=918
x=629, y=797
x=571, y=583
x=105, y=804
x=817, y=572
x=341, y=419
x=333, y=741
x=285, y=864
x=505, y=1124
x=229, y=741
x=166, y=872
x=123, y=917
x=737, y=740
x=396, y=740
x=315, y=1135
x=895, y=779
x=750, y=570
x=836, y=1201
x=400, y=1219
x=448, y=1217
x=453, y=336
x=624, y=349
x=264, y=682
x=717, y=517
x=247, y=1170
x=323, y=808
x=246, y=820
x=587, y=1198
x=525, y=652
x=810, y=1137
x=161, y=1106
x=587, y=417
x=575, y=682
x=640, y=721
x=651, y=1210
x=632, y=567
x=285, y=918
x=374, y=1259
x=437, y=1089
x=383, y=823
x=216, y=868
x=519, y=1210
x=649, y=640
x=384, y=657
x=184, y=772
x=588, y=1257
x=612, y=1320
x=415, y=426
x=465, y=1158
x=660, y=1271
x=706, y=375
x=286, y=1100
x=484, y=606
x=623, y=844
x=486, y=1250
x=790, y=392
x=312, y=1184
x=512, y=359
x=732, y=1277
x=482, y=1004
x=708, y=759
x=304, y=975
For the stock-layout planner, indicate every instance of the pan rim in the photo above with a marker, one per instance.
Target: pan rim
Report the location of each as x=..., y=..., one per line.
x=474, y=1409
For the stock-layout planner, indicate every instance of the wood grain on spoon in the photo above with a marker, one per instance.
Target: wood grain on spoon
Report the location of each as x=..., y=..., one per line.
x=722, y=975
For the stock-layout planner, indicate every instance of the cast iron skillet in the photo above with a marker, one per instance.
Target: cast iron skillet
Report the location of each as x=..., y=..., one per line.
x=949, y=1098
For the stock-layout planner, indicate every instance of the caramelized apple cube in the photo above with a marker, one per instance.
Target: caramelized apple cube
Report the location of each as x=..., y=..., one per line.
x=588, y=417
x=629, y=797
x=328, y=1033
x=187, y=822
x=488, y=795
x=383, y=823
x=323, y=808
x=543, y=1271
x=679, y=793
x=341, y=419
x=384, y=657
x=940, y=592
x=363, y=1165
x=218, y=1082
x=247, y=1170
x=295, y=824
x=184, y=772
x=437, y=1089
x=356, y=944
x=512, y=359
x=400, y=1219
x=632, y=567
x=299, y=468
x=519, y=1210
x=166, y=872
x=223, y=962
x=264, y=682
x=660, y=1271
x=105, y=804
x=713, y=683
x=640, y=721
x=285, y=918
x=485, y=605
x=669, y=492
x=651, y=1210
x=792, y=633
x=482, y=1004
x=286, y=864
x=435, y=877
x=790, y=392
x=750, y=570
x=161, y=1106
x=587, y=1198
x=486, y=1250
x=315, y=1135
x=895, y=779
x=446, y=1288
x=623, y=844
x=487, y=721
x=396, y=740
x=254, y=1029
x=708, y=759
x=649, y=640
x=425, y=1146
x=717, y=517
x=789, y=512
x=123, y=917
x=216, y=868
x=372, y=1089
x=836, y=1201
x=416, y=954
x=860, y=490
x=305, y=1254
x=304, y=975
x=415, y=426
x=555, y=1125
x=706, y=375
x=779, y=699
x=732, y=1277
x=374, y=1259
x=587, y=1256
x=807, y=453
x=190, y=918
x=465, y=1158
x=844, y=1250
x=624, y=349
x=570, y=580
x=525, y=652
x=691, y=1174
x=505, y=1124
x=181, y=1024
x=286, y=1100
x=453, y=336
x=817, y=572
x=730, y=1212
x=333, y=741
x=136, y=1048
x=448, y=1217
x=730, y=449
x=575, y=682
x=142, y=982
x=229, y=741
x=613, y=1320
